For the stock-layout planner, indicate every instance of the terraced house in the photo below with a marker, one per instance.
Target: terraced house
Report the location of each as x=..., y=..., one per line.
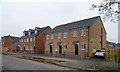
x=7, y=41
x=82, y=38
x=33, y=40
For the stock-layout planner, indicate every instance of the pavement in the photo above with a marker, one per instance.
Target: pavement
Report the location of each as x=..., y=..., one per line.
x=75, y=62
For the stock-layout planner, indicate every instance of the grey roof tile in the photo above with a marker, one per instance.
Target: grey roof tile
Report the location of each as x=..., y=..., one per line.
x=74, y=25
x=33, y=35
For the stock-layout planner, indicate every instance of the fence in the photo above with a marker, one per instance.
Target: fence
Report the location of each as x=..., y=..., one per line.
x=112, y=54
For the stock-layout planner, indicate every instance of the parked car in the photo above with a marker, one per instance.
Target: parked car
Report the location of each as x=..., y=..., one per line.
x=100, y=53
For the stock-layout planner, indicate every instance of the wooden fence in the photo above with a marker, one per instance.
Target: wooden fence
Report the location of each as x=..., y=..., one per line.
x=112, y=54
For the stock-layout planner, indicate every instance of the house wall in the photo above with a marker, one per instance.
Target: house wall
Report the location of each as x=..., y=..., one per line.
x=40, y=41
x=13, y=48
x=69, y=42
x=28, y=44
x=91, y=40
x=8, y=41
x=95, y=38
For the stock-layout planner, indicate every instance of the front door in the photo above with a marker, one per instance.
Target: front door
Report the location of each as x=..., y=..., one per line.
x=50, y=48
x=76, y=49
x=34, y=49
x=18, y=49
x=24, y=49
x=60, y=49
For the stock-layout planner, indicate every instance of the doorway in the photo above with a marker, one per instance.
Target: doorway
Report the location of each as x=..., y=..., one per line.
x=60, y=49
x=34, y=49
x=50, y=48
x=24, y=49
x=76, y=49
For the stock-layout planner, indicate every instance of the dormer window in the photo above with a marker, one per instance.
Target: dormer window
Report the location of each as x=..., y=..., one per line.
x=25, y=33
x=35, y=31
x=29, y=33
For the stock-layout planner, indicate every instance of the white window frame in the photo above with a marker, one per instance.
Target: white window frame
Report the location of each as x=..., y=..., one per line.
x=52, y=36
x=83, y=32
x=27, y=39
x=34, y=38
x=83, y=46
x=29, y=32
x=26, y=48
x=75, y=33
x=47, y=37
x=30, y=39
x=35, y=31
x=21, y=48
x=65, y=34
x=66, y=47
x=31, y=47
x=59, y=35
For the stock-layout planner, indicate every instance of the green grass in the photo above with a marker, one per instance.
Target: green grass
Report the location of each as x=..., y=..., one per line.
x=111, y=68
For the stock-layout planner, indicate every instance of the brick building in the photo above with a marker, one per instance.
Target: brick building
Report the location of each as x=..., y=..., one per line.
x=7, y=41
x=33, y=40
x=82, y=37
x=15, y=47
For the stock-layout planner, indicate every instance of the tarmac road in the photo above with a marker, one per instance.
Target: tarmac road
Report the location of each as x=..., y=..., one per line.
x=12, y=63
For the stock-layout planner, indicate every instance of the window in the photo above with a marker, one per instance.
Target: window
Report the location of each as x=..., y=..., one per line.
x=31, y=47
x=59, y=35
x=24, y=40
x=20, y=48
x=52, y=36
x=65, y=46
x=35, y=31
x=65, y=35
x=83, y=32
x=27, y=39
x=21, y=40
x=26, y=48
x=29, y=32
x=83, y=47
x=31, y=39
x=47, y=37
x=34, y=38
x=75, y=33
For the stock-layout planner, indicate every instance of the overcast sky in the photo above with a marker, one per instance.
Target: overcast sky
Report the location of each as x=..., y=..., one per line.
x=19, y=15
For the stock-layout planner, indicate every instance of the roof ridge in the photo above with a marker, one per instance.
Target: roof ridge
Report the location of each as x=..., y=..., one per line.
x=78, y=21
x=75, y=25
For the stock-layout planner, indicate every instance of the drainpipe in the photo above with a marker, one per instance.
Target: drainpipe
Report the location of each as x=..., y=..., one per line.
x=88, y=41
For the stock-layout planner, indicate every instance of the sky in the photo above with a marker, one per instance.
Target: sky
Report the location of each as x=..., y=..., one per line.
x=19, y=15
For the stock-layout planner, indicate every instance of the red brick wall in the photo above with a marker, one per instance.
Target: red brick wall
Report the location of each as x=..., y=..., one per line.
x=40, y=41
x=8, y=41
x=29, y=43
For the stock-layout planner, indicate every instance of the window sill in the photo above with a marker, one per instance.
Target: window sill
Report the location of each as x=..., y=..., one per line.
x=82, y=49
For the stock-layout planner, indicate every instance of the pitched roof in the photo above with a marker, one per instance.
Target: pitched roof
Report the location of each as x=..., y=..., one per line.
x=33, y=35
x=14, y=38
x=75, y=25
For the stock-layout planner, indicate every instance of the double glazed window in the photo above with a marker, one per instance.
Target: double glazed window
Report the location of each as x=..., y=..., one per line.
x=75, y=33
x=47, y=37
x=31, y=47
x=59, y=35
x=65, y=35
x=52, y=36
x=83, y=47
x=83, y=32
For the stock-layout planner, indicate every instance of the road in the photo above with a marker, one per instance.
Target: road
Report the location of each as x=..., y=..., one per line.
x=12, y=63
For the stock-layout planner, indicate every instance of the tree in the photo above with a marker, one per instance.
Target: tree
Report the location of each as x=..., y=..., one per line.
x=109, y=9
